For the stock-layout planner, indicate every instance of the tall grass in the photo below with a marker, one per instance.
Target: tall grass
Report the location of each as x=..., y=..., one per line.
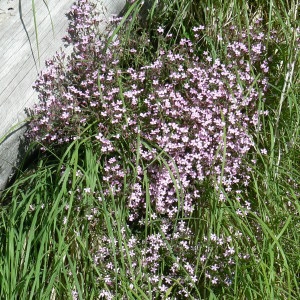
x=66, y=234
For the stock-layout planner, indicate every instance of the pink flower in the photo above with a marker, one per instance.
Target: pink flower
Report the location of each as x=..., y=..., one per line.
x=160, y=29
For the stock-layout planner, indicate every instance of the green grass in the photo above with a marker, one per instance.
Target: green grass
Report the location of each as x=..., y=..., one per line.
x=47, y=244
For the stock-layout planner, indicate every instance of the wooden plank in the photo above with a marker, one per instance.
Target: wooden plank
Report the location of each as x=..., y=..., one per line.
x=26, y=33
x=20, y=70
x=19, y=63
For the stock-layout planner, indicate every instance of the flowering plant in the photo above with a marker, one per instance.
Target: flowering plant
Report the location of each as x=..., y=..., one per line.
x=165, y=120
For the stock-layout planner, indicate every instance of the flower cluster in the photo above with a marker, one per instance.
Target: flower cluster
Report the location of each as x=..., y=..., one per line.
x=179, y=115
x=144, y=268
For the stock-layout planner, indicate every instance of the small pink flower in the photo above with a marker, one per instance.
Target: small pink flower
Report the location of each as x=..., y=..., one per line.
x=264, y=151
x=160, y=29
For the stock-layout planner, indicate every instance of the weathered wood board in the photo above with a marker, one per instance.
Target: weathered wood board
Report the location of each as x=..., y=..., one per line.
x=21, y=60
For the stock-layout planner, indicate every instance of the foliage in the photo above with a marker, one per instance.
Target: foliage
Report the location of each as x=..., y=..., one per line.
x=165, y=169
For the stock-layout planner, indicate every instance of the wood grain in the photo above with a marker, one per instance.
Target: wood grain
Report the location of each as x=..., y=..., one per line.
x=21, y=61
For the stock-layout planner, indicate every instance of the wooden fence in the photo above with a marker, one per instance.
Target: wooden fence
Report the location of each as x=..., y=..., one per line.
x=30, y=33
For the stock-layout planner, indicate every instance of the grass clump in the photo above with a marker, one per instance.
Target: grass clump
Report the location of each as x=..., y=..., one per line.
x=164, y=170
